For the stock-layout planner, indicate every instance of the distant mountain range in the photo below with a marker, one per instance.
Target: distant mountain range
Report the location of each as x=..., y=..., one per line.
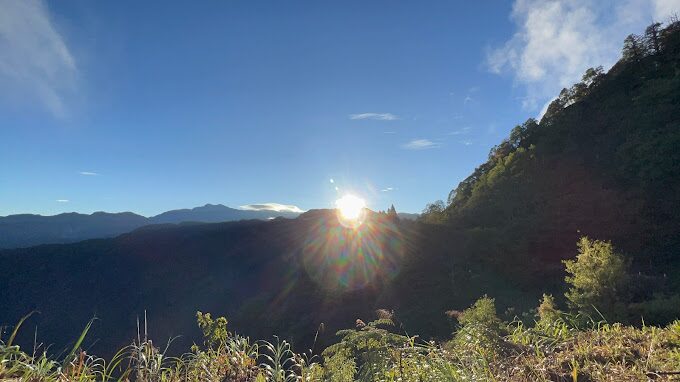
x=27, y=230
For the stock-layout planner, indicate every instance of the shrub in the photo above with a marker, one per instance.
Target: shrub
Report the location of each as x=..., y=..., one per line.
x=597, y=279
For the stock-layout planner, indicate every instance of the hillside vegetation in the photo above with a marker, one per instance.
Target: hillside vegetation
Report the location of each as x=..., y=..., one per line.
x=557, y=347
x=604, y=161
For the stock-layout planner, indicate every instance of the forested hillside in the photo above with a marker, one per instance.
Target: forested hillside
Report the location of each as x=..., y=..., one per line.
x=604, y=161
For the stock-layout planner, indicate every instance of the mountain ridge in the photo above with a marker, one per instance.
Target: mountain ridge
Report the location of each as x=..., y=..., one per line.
x=26, y=230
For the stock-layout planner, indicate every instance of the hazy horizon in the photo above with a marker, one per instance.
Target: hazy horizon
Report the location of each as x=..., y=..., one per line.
x=253, y=207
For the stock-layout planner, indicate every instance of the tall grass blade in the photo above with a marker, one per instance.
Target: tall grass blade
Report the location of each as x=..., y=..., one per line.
x=16, y=328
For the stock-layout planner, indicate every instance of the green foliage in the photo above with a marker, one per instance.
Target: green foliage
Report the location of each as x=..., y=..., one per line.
x=340, y=366
x=597, y=279
x=547, y=310
x=373, y=352
x=279, y=361
x=657, y=311
x=481, y=313
x=214, y=331
x=434, y=213
x=481, y=329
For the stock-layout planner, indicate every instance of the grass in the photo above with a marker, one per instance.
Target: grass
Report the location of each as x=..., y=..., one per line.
x=556, y=347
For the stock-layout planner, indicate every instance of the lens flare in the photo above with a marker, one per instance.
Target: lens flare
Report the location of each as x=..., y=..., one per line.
x=339, y=257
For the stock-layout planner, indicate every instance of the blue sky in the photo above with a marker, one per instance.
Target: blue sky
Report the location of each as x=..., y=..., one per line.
x=150, y=106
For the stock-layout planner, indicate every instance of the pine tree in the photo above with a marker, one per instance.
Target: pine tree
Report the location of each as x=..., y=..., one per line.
x=392, y=212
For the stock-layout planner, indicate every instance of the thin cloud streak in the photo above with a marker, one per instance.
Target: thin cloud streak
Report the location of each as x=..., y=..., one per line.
x=62, y=200
x=374, y=116
x=88, y=173
x=462, y=131
x=272, y=207
x=420, y=144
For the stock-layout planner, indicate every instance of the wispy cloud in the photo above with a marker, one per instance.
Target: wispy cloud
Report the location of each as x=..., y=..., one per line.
x=35, y=62
x=468, y=97
x=375, y=116
x=62, y=200
x=462, y=131
x=88, y=173
x=388, y=189
x=272, y=207
x=466, y=142
x=420, y=144
x=556, y=41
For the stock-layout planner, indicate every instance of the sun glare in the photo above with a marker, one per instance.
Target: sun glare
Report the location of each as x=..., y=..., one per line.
x=350, y=207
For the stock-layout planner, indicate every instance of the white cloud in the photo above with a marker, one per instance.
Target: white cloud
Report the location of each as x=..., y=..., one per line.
x=388, y=189
x=88, y=173
x=466, y=142
x=556, y=41
x=666, y=8
x=376, y=116
x=62, y=200
x=272, y=207
x=420, y=144
x=35, y=62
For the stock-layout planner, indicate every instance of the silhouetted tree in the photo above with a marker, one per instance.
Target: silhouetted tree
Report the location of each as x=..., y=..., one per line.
x=633, y=48
x=434, y=213
x=500, y=151
x=392, y=213
x=592, y=76
x=652, y=40
x=521, y=135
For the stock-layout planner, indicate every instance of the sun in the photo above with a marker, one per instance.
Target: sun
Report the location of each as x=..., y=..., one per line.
x=350, y=207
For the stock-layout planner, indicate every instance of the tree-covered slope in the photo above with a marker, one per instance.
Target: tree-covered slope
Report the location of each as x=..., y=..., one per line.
x=604, y=161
